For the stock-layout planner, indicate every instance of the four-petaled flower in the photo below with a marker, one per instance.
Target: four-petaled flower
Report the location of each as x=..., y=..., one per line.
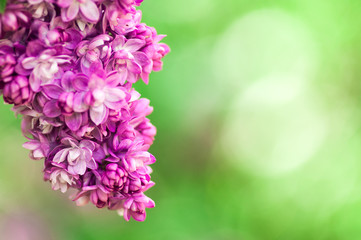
x=79, y=156
x=70, y=9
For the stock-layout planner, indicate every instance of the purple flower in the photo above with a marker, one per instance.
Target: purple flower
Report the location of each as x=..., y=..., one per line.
x=44, y=67
x=68, y=68
x=94, y=52
x=134, y=206
x=127, y=59
x=70, y=9
x=160, y=50
x=78, y=155
x=61, y=179
x=103, y=93
x=134, y=154
x=39, y=147
x=54, y=34
x=63, y=97
x=41, y=123
x=121, y=20
x=92, y=190
x=138, y=158
x=155, y=52
x=97, y=195
x=147, y=131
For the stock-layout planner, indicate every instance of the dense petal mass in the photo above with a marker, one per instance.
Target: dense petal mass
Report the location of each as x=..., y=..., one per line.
x=68, y=67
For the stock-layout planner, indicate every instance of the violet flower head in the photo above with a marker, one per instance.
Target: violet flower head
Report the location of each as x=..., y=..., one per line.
x=68, y=68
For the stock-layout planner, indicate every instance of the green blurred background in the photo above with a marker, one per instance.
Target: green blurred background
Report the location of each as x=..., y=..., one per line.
x=258, y=118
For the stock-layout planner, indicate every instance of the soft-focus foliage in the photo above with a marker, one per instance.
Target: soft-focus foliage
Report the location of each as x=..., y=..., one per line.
x=258, y=117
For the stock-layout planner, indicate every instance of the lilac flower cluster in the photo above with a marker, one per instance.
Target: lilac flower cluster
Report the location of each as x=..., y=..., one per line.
x=68, y=67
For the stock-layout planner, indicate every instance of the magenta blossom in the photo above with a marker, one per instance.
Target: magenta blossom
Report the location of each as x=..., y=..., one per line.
x=15, y=17
x=102, y=93
x=39, y=146
x=94, y=52
x=70, y=9
x=68, y=68
x=44, y=67
x=61, y=179
x=35, y=120
x=127, y=59
x=134, y=207
x=79, y=156
x=54, y=34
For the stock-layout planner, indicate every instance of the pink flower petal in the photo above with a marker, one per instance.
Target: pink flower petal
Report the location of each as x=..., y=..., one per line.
x=138, y=216
x=123, y=74
x=38, y=153
x=79, y=168
x=34, y=82
x=118, y=42
x=90, y=11
x=141, y=58
x=81, y=82
x=87, y=144
x=63, y=3
x=145, y=77
x=114, y=94
x=73, y=155
x=73, y=121
x=126, y=214
x=91, y=164
x=69, y=142
x=29, y=63
x=102, y=195
x=79, y=105
x=61, y=155
x=70, y=13
x=66, y=80
x=98, y=114
x=132, y=77
x=31, y=145
x=99, y=40
x=128, y=203
x=87, y=155
x=53, y=91
x=134, y=44
x=51, y=109
x=113, y=105
x=134, y=67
